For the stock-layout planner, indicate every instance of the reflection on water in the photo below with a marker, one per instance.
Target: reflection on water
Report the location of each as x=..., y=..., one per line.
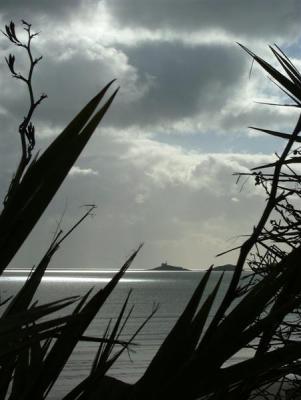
x=93, y=276
x=171, y=290
x=62, y=279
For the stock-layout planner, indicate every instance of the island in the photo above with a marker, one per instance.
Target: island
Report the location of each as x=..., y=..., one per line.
x=166, y=267
x=226, y=267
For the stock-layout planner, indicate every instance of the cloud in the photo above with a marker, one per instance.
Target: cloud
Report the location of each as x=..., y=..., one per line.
x=180, y=203
x=167, y=87
x=36, y=9
x=177, y=202
x=160, y=166
x=236, y=17
x=185, y=81
x=75, y=171
x=70, y=75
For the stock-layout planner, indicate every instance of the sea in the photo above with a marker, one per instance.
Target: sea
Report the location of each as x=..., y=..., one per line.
x=169, y=290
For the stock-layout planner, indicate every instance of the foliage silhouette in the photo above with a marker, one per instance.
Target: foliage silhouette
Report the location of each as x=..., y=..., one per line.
x=29, y=348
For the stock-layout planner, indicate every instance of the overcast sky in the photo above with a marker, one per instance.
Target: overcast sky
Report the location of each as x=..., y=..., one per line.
x=160, y=166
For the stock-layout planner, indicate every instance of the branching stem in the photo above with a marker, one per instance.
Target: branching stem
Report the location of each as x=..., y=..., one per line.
x=26, y=128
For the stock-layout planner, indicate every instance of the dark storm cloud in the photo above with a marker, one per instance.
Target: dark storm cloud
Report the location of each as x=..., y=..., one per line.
x=184, y=81
x=174, y=81
x=255, y=18
x=162, y=82
x=69, y=81
x=32, y=9
x=166, y=79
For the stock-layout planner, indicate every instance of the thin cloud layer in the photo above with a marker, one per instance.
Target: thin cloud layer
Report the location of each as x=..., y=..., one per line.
x=175, y=201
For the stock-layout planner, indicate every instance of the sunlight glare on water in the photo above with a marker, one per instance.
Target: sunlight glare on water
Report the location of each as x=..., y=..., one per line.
x=171, y=290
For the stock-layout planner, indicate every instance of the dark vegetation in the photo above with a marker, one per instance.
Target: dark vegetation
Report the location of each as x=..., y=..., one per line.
x=262, y=313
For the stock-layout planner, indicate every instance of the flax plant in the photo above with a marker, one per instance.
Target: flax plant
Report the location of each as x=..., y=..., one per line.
x=263, y=314
x=33, y=352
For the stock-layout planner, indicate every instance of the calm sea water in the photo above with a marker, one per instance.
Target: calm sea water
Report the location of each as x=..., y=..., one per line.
x=171, y=290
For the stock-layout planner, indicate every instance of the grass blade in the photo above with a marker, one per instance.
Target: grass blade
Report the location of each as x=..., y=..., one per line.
x=283, y=80
x=277, y=134
x=43, y=180
x=62, y=349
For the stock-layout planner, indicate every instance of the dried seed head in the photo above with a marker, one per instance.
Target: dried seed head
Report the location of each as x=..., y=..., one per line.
x=11, y=33
x=10, y=61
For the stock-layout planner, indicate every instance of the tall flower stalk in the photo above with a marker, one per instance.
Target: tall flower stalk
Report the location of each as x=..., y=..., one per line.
x=26, y=127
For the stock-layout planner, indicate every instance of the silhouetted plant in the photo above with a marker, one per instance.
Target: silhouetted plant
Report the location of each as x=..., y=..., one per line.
x=192, y=362
x=33, y=353
x=26, y=128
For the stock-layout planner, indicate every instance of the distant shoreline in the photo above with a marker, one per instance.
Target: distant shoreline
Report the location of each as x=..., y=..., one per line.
x=164, y=267
x=226, y=267
x=95, y=270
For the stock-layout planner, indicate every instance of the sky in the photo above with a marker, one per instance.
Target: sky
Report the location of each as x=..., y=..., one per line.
x=160, y=166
